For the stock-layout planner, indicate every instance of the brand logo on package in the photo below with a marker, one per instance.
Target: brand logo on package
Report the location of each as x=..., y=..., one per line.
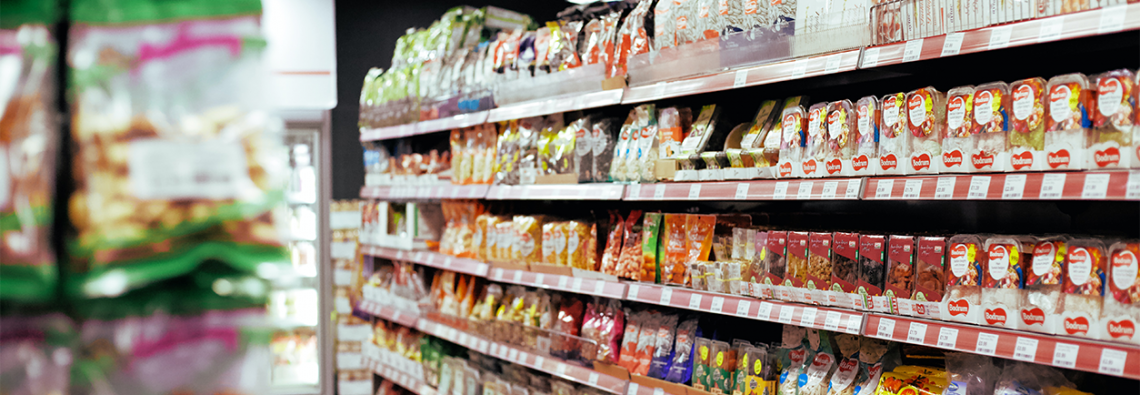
x=834, y=166
x=809, y=166
x=1076, y=326
x=888, y=162
x=952, y=158
x=1123, y=328
x=920, y=162
x=1034, y=316
x=859, y=162
x=958, y=307
x=786, y=169
x=1109, y=156
x=1021, y=161
x=1057, y=159
x=996, y=316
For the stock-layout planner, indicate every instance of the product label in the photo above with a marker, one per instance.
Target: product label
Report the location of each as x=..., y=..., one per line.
x=860, y=162
x=835, y=123
x=958, y=307
x=571, y=243
x=1121, y=329
x=1023, y=102
x=1106, y=157
x=917, y=110
x=890, y=111
x=1059, y=103
x=1034, y=316
x=984, y=107
x=1124, y=269
x=999, y=262
x=959, y=262
x=845, y=374
x=1057, y=159
x=888, y=161
x=1076, y=326
x=995, y=316
x=819, y=368
x=163, y=169
x=956, y=112
x=682, y=23
x=1043, y=258
x=722, y=7
x=920, y=162
x=1108, y=96
x=1080, y=266
x=791, y=128
x=814, y=122
x=952, y=158
x=863, y=120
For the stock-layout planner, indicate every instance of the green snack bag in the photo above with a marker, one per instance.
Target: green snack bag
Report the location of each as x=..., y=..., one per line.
x=650, y=254
x=701, y=363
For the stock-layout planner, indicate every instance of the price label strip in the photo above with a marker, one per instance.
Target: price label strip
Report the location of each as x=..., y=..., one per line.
x=886, y=328
x=1014, y=186
x=916, y=333
x=1025, y=349
x=987, y=344
x=1052, y=186
x=883, y=189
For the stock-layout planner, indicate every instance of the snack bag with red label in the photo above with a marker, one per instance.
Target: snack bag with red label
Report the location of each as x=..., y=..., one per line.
x=795, y=277
x=774, y=262
x=1027, y=125
x=867, y=121
x=929, y=277
x=1005, y=277
x=990, y=128
x=1111, y=144
x=894, y=136
x=632, y=38
x=621, y=148
x=819, y=267
x=926, y=123
x=845, y=271
x=900, y=274
x=844, y=379
x=817, y=376
x=815, y=141
x=958, y=141
x=1122, y=304
x=1067, y=121
x=793, y=129
x=872, y=273
x=1041, y=299
x=839, y=146
x=1084, y=286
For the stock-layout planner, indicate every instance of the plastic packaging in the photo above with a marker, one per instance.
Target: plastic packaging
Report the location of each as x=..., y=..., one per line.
x=796, y=275
x=926, y=120
x=900, y=274
x=1027, y=125
x=774, y=264
x=651, y=234
x=872, y=272
x=959, y=138
x=633, y=327
x=867, y=122
x=648, y=145
x=815, y=141
x=663, y=349
x=967, y=264
x=1084, y=287
x=841, y=145
x=894, y=136
x=845, y=271
x=793, y=133
x=819, y=267
x=1005, y=277
x=929, y=277
x=1122, y=303
x=1111, y=141
x=1067, y=121
x=970, y=374
x=1041, y=298
x=680, y=368
x=990, y=128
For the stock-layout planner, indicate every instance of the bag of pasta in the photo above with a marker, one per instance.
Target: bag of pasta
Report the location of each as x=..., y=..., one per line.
x=176, y=161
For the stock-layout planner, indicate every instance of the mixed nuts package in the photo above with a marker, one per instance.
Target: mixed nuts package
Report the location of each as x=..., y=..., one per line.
x=795, y=277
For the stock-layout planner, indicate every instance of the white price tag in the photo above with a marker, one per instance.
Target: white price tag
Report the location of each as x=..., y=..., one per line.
x=765, y=311
x=1065, y=355
x=742, y=308
x=742, y=191
x=659, y=89
x=786, y=314
x=781, y=190
x=483, y=345
x=632, y=389
x=593, y=378
x=1014, y=186
x=498, y=274
x=658, y=391
x=166, y=169
x=454, y=192
x=912, y=189
x=695, y=301
x=979, y=187
x=717, y=304
x=999, y=37
x=831, y=321
x=883, y=189
x=853, y=189
x=659, y=192
x=912, y=51
x=538, y=362
x=563, y=281
x=1052, y=186
x=1112, y=361
x=870, y=57
x=694, y=191
x=518, y=276
x=987, y=344
x=1096, y=186
x=634, y=191
x=633, y=289
x=886, y=328
x=342, y=277
x=740, y=79
x=947, y=337
x=577, y=287
x=560, y=369
x=807, y=317
x=829, y=188
x=953, y=44
x=1051, y=29
x=599, y=287
x=666, y=296
x=1132, y=189
x=799, y=68
x=805, y=190
x=916, y=333
x=1112, y=19
x=1025, y=349
x=833, y=63
x=512, y=354
x=463, y=339
x=945, y=188
x=539, y=279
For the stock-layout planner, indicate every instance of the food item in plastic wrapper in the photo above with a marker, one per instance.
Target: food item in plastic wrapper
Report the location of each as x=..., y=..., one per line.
x=895, y=137
x=872, y=272
x=793, y=133
x=900, y=274
x=617, y=171
x=774, y=263
x=698, y=276
x=604, y=139
x=970, y=374
x=815, y=141
x=1041, y=298
x=663, y=351
x=926, y=120
x=722, y=362
x=674, y=259
x=795, y=275
x=632, y=38
x=579, y=253
x=843, y=381
x=867, y=122
x=990, y=127
x=959, y=137
x=840, y=147
x=646, y=343
x=754, y=138
x=967, y=264
x=929, y=276
x=582, y=134
x=529, y=231
x=664, y=27
x=1083, y=288
x=630, y=262
x=612, y=251
x=817, y=377
x=648, y=145
x=1027, y=124
x=913, y=380
x=651, y=233
x=554, y=243
x=793, y=360
x=669, y=129
x=38, y=354
x=755, y=273
x=869, y=382
x=633, y=326
x=1005, y=277
x=845, y=271
x=731, y=273
x=819, y=267
x=703, y=128
x=680, y=368
x=699, y=237
x=1066, y=121
x=702, y=347
x=1111, y=143
x=1122, y=303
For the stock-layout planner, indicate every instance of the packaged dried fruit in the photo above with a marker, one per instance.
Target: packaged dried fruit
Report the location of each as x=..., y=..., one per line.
x=579, y=254
x=1122, y=304
x=651, y=232
x=793, y=133
x=553, y=244
x=1005, y=277
x=1041, y=298
x=867, y=121
x=967, y=265
x=153, y=177
x=894, y=136
x=674, y=252
x=929, y=277
x=815, y=142
x=629, y=263
x=621, y=148
x=1111, y=142
x=840, y=147
x=702, y=130
x=699, y=239
x=528, y=230
x=959, y=118
x=926, y=120
x=819, y=269
x=613, y=244
x=900, y=274
x=872, y=273
x=845, y=271
x=756, y=273
x=1027, y=126
x=1084, y=289
x=795, y=277
x=1067, y=121
x=773, y=261
x=990, y=128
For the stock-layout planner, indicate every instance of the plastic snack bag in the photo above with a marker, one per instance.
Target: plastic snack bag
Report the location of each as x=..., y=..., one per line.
x=1027, y=125
x=651, y=232
x=155, y=176
x=1041, y=299
x=674, y=260
x=1084, y=287
x=670, y=133
x=1122, y=303
x=970, y=374
x=648, y=145
x=840, y=145
x=579, y=253
x=843, y=380
x=845, y=271
x=1005, y=277
x=872, y=272
x=929, y=276
x=612, y=252
x=990, y=128
x=817, y=376
x=894, y=139
x=604, y=138
x=680, y=370
x=1067, y=121
x=867, y=121
x=630, y=262
x=794, y=130
x=814, y=141
x=819, y=267
x=632, y=332
x=1111, y=142
x=967, y=264
x=795, y=276
x=663, y=350
x=959, y=138
x=701, y=364
x=621, y=148
x=37, y=352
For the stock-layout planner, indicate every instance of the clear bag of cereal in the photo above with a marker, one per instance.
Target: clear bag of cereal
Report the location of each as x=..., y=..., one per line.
x=894, y=136
x=1083, y=290
x=1027, y=125
x=1041, y=300
x=1067, y=121
x=959, y=140
x=926, y=120
x=815, y=141
x=793, y=132
x=1007, y=258
x=990, y=128
x=1110, y=143
x=867, y=121
x=840, y=146
x=1122, y=303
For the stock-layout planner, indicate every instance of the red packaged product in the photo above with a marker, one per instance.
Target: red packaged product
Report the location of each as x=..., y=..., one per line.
x=1067, y=121
x=774, y=261
x=1041, y=297
x=818, y=278
x=845, y=270
x=929, y=277
x=796, y=275
x=1112, y=143
x=613, y=244
x=872, y=272
x=1027, y=125
x=967, y=265
x=1007, y=258
x=1122, y=305
x=1084, y=288
x=900, y=274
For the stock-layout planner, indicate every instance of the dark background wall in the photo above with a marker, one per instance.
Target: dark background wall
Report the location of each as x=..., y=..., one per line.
x=366, y=33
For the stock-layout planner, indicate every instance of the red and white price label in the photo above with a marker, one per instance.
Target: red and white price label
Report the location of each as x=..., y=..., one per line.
x=740, y=79
x=1025, y=349
x=659, y=192
x=666, y=296
x=829, y=188
x=1112, y=361
x=694, y=191
x=804, y=193
x=741, y=191
x=538, y=361
x=498, y=274
x=945, y=188
x=1052, y=186
x=979, y=187
x=483, y=346
x=987, y=344
x=1065, y=355
x=1096, y=186
x=694, y=301
x=786, y=314
x=447, y=262
x=560, y=369
x=577, y=287
x=916, y=333
x=853, y=189
x=592, y=378
x=1051, y=29
x=781, y=191
x=563, y=282
x=633, y=290
x=634, y=191
x=518, y=276
x=947, y=337
x=599, y=287
x=494, y=349
x=717, y=304
x=765, y=311
x=1014, y=186
x=886, y=328
x=512, y=355
x=854, y=323
x=912, y=189
x=831, y=321
x=953, y=44
x=1132, y=188
x=742, y=308
x=912, y=51
x=539, y=279
x=807, y=317
x=884, y=188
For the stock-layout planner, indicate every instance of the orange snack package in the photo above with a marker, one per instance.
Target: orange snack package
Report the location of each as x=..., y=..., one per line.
x=674, y=252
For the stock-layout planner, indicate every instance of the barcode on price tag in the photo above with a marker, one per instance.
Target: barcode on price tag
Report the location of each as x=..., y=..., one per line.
x=633, y=289
x=831, y=321
x=659, y=192
x=953, y=44
x=741, y=191
x=979, y=187
x=870, y=57
x=833, y=63
x=1014, y=186
x=694, y=191
x=577, y=287
x=886, y=328
x=916, y=333
x=1025, y=349
x=1112, y=19
x=1052, y=186
x=599, y=287
x=912, y=51
x=1065, y=355
x=740, y=79
x=912, y=189
x=883, y=189
x=1051, y=28
x=987, y=344
x=742, y=308
x=1112, y=362
x=781, y=190
x=804, y=192
x=854, y=323
x=829, y=188
x=945, y=188
x=853, y=188
x=947, y=337
x=695, y=301
x=807, y=317
x=717, y=304
x=1132, y=188
x=666, y=296
x=786, y=314
x=1096, y=186
x=765, y=311
x=799, y=68
x=999, y=37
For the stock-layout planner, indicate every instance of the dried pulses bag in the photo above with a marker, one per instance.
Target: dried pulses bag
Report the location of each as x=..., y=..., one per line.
x=1041, y=300
x=185, y=153
x=1122, y=302
x=1084, y=289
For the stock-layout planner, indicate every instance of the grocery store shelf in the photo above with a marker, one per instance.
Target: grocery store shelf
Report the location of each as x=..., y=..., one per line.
x=428, y=258
x=1072, y=353
x=810, y=189
x=402, y=371
x=556, y=192
x=388, y=132
x=388, y=313
x=745, y=77
x=578, y=285
x=424, y=192
x=1095, y=185
x=1056, y=28
x=423, y=127
x=563, y=103
x=746, y=307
